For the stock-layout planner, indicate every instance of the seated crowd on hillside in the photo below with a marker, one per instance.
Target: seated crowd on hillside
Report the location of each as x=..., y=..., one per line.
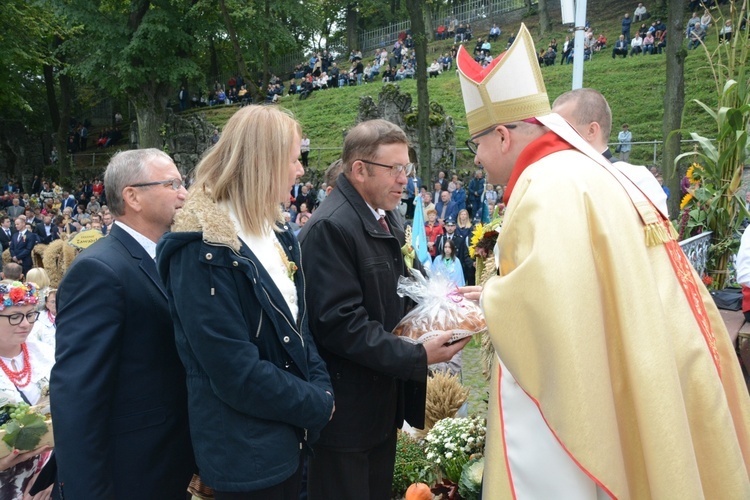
x=398, y=62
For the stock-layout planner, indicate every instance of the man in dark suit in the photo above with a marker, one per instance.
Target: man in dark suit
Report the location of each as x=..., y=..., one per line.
x=47, y=232
x=378, y=379
x=21, y=245
x=69, y=201
x=118, y=388
x=6, y=232
x=446, y=208
x=107, y=223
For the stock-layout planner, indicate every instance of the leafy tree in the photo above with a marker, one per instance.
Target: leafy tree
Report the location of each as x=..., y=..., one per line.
x=141, y=48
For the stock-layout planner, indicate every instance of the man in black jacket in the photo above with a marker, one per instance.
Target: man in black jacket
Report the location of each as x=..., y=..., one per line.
x=351, y=254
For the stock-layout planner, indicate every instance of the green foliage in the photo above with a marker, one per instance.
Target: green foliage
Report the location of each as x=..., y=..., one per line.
x=24, y=429
x=411, y=465
x=717, y=203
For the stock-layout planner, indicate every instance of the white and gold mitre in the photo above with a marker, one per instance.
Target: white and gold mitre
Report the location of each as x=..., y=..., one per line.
x=509, y=89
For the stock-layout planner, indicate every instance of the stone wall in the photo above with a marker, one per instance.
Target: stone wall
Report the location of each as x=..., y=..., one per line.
x=186, y=138
x=396, y=107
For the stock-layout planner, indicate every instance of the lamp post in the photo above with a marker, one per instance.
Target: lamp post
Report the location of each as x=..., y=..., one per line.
x=568, y=8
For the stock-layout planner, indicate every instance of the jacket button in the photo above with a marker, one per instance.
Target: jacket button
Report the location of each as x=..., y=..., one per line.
x=290, y=247
x=286, y=227
x=235, y=263
x=209, y=256
x=286, y=339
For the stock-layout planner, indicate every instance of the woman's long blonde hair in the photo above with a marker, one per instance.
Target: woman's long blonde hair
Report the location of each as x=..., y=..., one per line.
x=249, y=165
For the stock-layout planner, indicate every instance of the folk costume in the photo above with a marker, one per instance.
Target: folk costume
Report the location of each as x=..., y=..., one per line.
x=614, y=375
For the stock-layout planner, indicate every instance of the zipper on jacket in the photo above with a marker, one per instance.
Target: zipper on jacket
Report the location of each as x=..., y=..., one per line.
x=264, y=290
x=260, y=323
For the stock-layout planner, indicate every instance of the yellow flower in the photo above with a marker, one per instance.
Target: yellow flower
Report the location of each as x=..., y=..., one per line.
x=475, y=237
x=685, y=200
x=692, y=173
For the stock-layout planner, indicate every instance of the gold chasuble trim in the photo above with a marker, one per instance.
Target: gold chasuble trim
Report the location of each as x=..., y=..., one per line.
x=685, y=275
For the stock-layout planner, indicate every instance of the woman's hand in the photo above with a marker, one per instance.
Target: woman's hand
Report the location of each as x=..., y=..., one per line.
x=17, y=456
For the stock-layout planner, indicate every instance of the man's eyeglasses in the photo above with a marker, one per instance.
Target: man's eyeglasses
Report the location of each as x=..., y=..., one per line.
x=176, y=184
x=395, y=169
x=473, y=145
x=16, y=319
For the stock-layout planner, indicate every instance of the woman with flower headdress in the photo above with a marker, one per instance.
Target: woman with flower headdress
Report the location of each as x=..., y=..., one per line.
x=258, y=392
x=24, y=376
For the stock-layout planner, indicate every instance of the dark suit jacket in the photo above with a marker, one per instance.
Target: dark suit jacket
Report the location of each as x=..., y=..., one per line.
x=41, y=233
x=22, y=249
x=378, y=379
x=120, y=397
x=4, y=239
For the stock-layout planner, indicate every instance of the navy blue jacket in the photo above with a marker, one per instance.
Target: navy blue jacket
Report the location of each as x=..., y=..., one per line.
x=118, y=388
x=258, y=391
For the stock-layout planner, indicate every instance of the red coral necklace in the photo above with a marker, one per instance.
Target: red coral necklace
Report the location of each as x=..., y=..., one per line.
x=22, y=377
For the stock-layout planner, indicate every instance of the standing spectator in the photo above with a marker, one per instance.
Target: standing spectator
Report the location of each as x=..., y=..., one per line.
x=458, y=196
x=351, y=251
x=624, y=138
x=215, y=136
x=447, y=264
x=432, y=229
x=22, y=244
x=36, y=185
x=230, y=267
x=413, y=185
x=476, y=189
x=183, y=98
x=83, y=134
x=305, y=150
x=6, y=232
x=626, y=22
x=446, y=208
x=118, y=388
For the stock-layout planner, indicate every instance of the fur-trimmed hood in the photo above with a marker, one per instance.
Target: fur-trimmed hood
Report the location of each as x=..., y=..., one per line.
x=202, y=214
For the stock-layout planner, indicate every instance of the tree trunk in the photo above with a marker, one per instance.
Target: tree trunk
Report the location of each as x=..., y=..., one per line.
x=423, y=98
x=352, y=33
x=674, y=102
x=49, y=84
x=150, y=109
x=238, y=57
x=429, y=29
x=545, y=23
x=266, y=56
x=66, y=99
x=214, y=63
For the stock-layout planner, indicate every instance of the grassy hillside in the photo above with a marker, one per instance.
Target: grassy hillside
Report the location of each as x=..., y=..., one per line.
x=633, y=86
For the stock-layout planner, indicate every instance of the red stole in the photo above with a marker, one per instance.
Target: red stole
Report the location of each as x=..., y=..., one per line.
x=536, y=150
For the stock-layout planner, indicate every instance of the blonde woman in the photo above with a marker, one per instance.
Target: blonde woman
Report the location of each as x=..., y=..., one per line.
x=258, y=391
